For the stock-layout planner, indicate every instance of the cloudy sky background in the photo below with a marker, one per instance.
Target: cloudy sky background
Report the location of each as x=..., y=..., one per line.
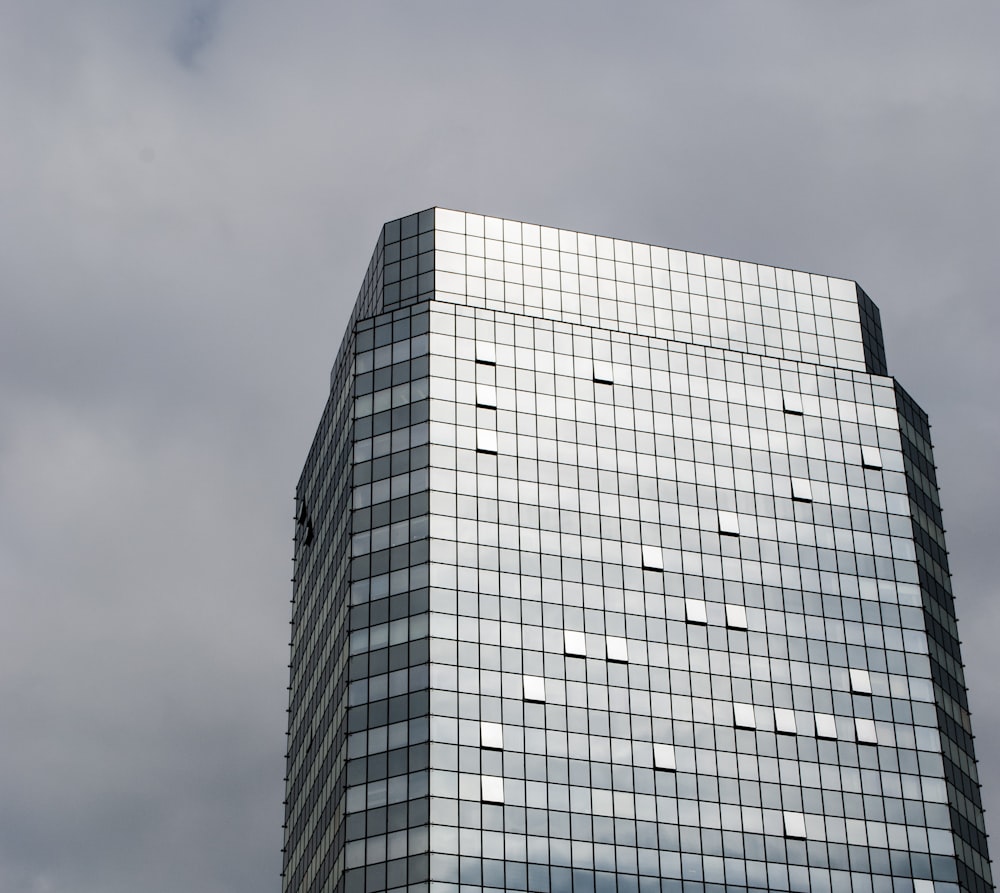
x=189, y=193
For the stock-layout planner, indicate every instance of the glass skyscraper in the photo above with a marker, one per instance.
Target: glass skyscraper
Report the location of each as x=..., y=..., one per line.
x=620, y=568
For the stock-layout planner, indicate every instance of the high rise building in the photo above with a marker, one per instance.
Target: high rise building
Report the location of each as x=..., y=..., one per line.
x=620, y=568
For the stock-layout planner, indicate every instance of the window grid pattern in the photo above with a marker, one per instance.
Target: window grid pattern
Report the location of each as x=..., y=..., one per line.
x=588, y=597
x=851, y=604
x=632, y=287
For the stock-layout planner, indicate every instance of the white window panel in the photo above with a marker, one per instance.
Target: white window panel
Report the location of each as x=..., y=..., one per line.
x=617, y=649
x=871, y=457
x=802, y=490
x=492, y=787
x=491, y=735
x=743, y=716
x=486, y=441
x=784, y=721
x=792, y=403
x=534, y=688
x=922, y=886
x=795, y=825
x=729, y=523
x=861, y=682
x=736, y=617
x=865, y=729
x=486, y=352
x=826, y=726
x=486, y=395
x=575, y=643
x=663, y=757
x=603, y=372
x=652, y=558
x=695, y=610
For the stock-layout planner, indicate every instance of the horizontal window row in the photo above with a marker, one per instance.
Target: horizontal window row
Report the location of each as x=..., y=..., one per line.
x=392, y=398
x=399, y=371
x=396, y=487
x=458, y=231
x=574, y=559
x=847, y=604
x=479, y=516
x=387, y=466
x=664, y=367
x=777, y=555
x=738, y=469
x=617, y=648
x=734, y=875
x=749, y=716
x=680, y=645
x=405, y=582
x=812, y=340
x=652, y=641
x=619, y=468
x=683, y=794
x=375, y=339
x=602, y=710
x=698, y=697
x=633, y=508
x=390, y=535
x=729, y=316
x=533, y=342
x=691, y=794
x=497, y=859
x=801, y=639
x=400, y=439
x=620, y=284
x=494, y=789
x=491, y=733
x=661, y=411
x=538, y=339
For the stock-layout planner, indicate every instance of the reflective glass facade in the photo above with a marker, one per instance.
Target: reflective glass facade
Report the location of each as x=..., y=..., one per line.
x=620, y=568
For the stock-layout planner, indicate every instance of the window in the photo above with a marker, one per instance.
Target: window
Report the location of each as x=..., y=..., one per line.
x=617, y=649
x=784, y=721
x=603, y=373
x=575, y=643
x=695, y=610
x=801, y=490
x=861, y=683
x=486, y=352
x=491, y=735
x=792, y=403
x=871, y=457
x=729, y=523
x=652, y=558
x=492, y=788
x=736, y=617
x=663, y=757
x=795, y=825
x=486, y=441
x=743, y=716
x=826, y=726
x=534, y=688
x=865, y=729
x=486, y=396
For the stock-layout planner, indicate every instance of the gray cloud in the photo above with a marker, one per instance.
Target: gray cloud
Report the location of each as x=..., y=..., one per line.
x=196, y=30
x=187, y=203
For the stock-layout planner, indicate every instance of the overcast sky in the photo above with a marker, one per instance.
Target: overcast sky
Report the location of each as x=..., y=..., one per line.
x=189, y=194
